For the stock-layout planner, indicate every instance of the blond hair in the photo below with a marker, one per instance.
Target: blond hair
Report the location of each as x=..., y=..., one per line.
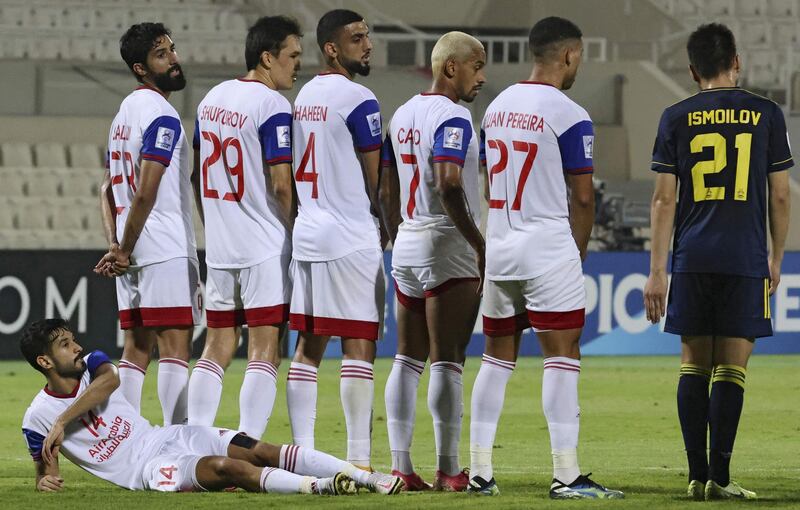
x=453, y=45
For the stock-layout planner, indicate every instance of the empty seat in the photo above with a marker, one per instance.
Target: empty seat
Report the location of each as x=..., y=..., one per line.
x=78, y=184
x=755, y=34
x=16, y=154
x=69, y=219
x=42, y=182
x=782, y=8
x=90, y=240
x=13, y=182
x=94, y=218
x=719, y=8
x=50, y=154
x=751, y=8
x=784, y=34
x=31, y=215
x=84, y=155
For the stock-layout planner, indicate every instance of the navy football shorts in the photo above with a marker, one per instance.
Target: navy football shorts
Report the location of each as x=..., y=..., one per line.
x=708, y=304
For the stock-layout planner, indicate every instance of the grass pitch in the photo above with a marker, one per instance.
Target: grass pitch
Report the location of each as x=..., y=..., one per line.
x=630, y=440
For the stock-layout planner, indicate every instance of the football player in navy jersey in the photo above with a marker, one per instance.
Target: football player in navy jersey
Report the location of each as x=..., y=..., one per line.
x=725, y=153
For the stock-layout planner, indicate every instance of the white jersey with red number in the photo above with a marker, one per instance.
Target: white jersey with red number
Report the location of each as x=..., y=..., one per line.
x=240, y=125
x=532, y=135
x=108, y=441
x=428, y=129
x=333, y=118
x=147, y=127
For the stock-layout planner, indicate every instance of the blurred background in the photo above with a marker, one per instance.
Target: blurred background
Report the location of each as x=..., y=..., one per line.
x=62, y=79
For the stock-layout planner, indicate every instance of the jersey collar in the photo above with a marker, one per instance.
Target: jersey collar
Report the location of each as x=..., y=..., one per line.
x=526, y=82
x=63, y=395
x=145, y=86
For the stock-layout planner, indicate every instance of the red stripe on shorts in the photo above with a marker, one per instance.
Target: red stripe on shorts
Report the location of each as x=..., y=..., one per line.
x=267, y=315
x=328, y=326
x=224, y=318
x=444, y=287
x=173, y=316
x=131, y=318
x=505, y=326
x=414, y=304
x=572, y=319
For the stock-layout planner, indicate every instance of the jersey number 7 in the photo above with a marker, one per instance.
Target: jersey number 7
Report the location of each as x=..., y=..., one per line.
x=530, y=149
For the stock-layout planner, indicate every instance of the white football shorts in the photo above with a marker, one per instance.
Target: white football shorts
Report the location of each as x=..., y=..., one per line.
x=414, y=284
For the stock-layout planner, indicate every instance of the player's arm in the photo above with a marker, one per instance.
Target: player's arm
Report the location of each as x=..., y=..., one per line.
x=48, y=476
x=779, y=210
x=108, y=214
x=370, y=165
x=105, y=381
x=284, y=192
x=198, y=198
x=389, y=190
x=581, y=209
x=662, y=219
x=141, y=205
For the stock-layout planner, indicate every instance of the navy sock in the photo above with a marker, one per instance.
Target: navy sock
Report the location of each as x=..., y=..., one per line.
x=727, y=398
x=693, y=404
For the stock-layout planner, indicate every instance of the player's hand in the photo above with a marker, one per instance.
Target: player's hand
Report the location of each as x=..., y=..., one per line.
x=50, y=483
x=655, y=296
x=774, y=275
x=52, y=443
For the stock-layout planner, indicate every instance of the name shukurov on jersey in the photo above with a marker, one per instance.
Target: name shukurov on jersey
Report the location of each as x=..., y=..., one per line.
x=428, y=129
x=242, y=124
x=721, y=144
x=147, y=127
x=532, y=135
x=334, y=118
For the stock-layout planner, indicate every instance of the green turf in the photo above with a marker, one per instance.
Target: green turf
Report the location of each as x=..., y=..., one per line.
x=630, y=440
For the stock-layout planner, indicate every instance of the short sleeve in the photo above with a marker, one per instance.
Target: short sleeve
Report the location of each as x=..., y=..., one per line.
x=34, y=440
x=196, y=137
x=387, y=152
x=364, y=123
x=276, y=138
x=94, y=360
x=451, y=141
x=780, y=153
x=482, y=148
x=577, y=148
x=160, y=139
x=664, y=150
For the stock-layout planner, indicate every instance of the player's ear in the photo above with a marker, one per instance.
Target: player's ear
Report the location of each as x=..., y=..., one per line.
x=330, y=51
x=449, y=68
x=737, y=64
x=693, y=72
x=44, y=362
x=140, y=70
x=266, y=60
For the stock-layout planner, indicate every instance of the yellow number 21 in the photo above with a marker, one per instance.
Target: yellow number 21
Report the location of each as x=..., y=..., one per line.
x=701, y=168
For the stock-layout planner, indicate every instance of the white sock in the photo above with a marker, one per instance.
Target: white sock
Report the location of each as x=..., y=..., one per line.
x=278, y=481
x=401, y=408
x=488, y=395
x=446, y=405
x=257, y=397
x=173, y=389
x=131, y=379
x=205, y=390
x=307, y=461
x=560, y=404
x=301, y=399
x=357, y=392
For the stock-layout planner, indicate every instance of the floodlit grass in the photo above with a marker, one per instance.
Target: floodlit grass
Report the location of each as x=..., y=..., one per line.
x=630, y=440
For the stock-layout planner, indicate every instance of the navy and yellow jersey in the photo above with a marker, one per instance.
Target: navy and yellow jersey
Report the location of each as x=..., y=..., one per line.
x=721, y=144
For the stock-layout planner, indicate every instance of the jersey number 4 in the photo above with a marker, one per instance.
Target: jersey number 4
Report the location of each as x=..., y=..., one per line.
x=742, y=142
x=220, y=151
x=309, y=155
x=529, y=149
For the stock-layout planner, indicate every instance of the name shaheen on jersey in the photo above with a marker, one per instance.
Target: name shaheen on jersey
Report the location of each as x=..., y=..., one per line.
x=532, y=135
x=146, y=128
x=721, y=144
x=241, y=124
x=334, y=118
x=427, y=129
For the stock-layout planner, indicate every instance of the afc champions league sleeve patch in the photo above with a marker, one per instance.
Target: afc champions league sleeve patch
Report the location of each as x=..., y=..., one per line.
x=453, y=138
x=284, y=137
x=165, y=138
x=588, y=146
x=374, y=122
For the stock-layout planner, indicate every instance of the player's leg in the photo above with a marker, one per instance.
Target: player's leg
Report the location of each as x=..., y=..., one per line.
x=139, y=341
x=266, y=293
x=409, y=364
x=224, y=315
x=357, y=392
x=504, y=319
x=451, y=309
x=171, y=306
x=695, y=375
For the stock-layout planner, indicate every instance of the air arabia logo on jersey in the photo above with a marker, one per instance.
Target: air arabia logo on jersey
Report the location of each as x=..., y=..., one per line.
x=374, y=121
x=588, y=146
x=284, y=137
x=453, y=137
x=164, y=138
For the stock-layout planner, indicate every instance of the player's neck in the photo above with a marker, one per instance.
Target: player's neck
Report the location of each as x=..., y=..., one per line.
x=260, y=74
x=444, y=88
x=720, y=82
x=547, y=75
x=336, y=68
x=150, y=85
x=61, y=385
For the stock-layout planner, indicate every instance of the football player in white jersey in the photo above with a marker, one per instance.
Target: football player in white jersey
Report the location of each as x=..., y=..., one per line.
x=243, y=164
x=337, y=267
x=538, y=148
x=80, y=414
x=429, y=187
x=147, y=213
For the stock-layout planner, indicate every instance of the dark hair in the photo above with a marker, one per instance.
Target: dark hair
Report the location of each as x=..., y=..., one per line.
x=331, y=22
x=550, y=31
x=138, y=40
x=38, y=337
x=268, y=34
x=711, y=50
